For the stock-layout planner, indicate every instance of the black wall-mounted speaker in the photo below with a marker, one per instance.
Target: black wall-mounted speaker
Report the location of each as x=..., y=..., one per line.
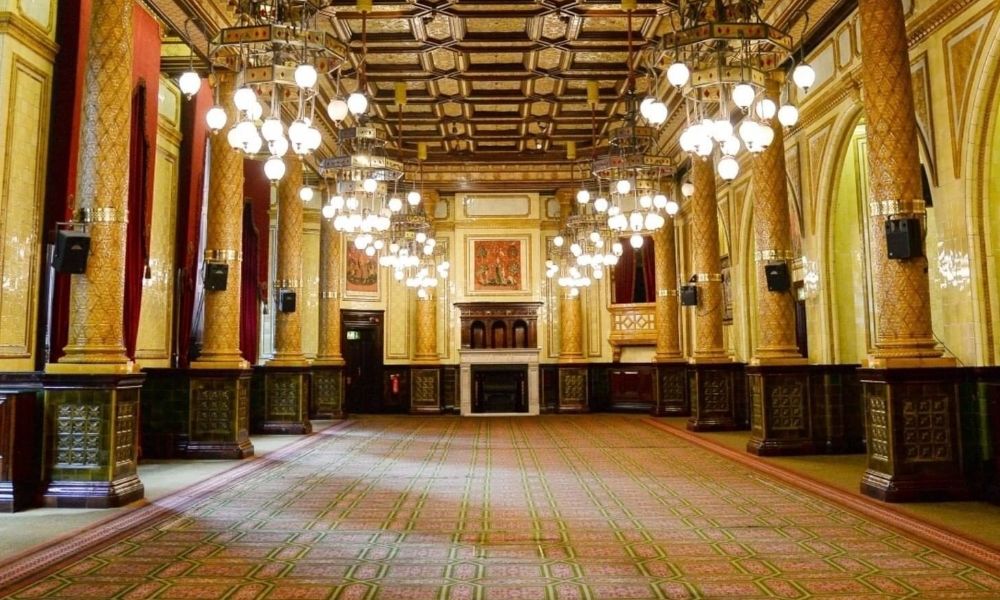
x=689, y=295
x=903, y=238
x=286, y=301
x=72, y=250
x=777, y=276
x=216, y=276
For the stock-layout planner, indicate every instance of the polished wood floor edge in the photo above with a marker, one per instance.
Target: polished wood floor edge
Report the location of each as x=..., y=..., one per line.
x=987, y=555
x=51, y=555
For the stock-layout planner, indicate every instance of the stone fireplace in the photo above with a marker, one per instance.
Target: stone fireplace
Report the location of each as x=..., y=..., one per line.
x=499, y=359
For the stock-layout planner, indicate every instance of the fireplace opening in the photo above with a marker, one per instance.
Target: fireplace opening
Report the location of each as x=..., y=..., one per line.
x=500, y=389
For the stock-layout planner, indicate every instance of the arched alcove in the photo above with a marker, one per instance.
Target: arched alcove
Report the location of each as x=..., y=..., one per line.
x=849, y=282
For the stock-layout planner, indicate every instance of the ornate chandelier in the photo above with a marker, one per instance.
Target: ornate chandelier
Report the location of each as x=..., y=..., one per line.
x=583, y=250
x=721, y=56
x=277, y=58
x=628, y=175
x=366, y=187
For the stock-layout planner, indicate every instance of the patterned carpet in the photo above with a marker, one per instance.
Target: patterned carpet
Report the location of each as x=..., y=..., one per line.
x=599, y=507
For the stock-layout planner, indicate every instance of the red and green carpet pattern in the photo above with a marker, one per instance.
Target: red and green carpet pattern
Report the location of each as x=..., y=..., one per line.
x=596, y=507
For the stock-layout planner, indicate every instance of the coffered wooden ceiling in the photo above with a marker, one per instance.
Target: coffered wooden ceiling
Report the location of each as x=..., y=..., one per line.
x=495, y=80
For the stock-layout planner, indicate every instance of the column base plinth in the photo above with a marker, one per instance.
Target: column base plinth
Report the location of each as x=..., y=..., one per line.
x=93, y=494
x=914, y=435
x=90, y=441
x=781, y=419
x=219, y=404
x=717, y=396
x=285, y=407
x=670, y=392
x=573, y=389
x=327, y=393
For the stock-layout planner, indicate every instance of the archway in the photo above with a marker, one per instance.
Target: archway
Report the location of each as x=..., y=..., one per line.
x=850, y=285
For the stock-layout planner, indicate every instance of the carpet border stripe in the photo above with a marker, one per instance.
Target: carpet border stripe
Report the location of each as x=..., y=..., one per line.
x=39, y=561
x=935, y=535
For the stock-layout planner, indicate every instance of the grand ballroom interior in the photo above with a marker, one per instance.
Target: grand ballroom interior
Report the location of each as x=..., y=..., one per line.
x=500, y=299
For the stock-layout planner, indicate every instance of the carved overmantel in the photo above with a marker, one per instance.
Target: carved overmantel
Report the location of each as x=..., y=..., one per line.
x=496, y=325
x=498, y=333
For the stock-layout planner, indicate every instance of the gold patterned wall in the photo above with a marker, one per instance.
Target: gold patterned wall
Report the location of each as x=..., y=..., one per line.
x=309, y=301
x=153, y=344
x=955, y=59
x=27, y=50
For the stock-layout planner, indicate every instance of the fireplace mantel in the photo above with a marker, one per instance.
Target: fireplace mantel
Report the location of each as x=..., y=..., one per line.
x=498, y=356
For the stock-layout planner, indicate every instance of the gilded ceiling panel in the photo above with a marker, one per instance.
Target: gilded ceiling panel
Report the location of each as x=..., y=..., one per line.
x=495, y=25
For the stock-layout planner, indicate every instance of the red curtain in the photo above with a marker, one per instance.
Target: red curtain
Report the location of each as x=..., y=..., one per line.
x=254, y=276
x=136, y=235
x=72, y=32
x=190, y=190
x=625, y=274
x=649, y=269
x=257, y=189
x=626, y=288
x=249, y=300
x=142, y=166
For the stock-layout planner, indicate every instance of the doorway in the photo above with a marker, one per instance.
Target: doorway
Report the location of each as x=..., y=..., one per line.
x=362, y=349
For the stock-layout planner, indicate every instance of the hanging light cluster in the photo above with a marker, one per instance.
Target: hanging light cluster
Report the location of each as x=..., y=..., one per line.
x=277, y=58
x=412, y=252
x=626, y=177
x=585, y=249
x=367, y=187
x=720, y=56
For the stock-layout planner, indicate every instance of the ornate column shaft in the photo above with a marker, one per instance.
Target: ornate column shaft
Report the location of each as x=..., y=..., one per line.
x=708, y=341
x=330, y=244
x=426, y=339
x=571, y=328
x=776, y=342
x=426, y=313
x=224, y=243
x=288, y=325
x=96, y=309
x=901, y=288
x=912, y=422
x=668, y=333
x=327, y=396
x=91, y=396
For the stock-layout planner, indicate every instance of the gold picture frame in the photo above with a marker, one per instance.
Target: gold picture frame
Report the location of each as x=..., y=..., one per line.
x=497, y=265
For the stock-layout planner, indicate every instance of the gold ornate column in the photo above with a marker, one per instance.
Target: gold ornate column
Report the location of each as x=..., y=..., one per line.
x=288, y=324
x=903, y=335
x=224, y=244
x=708, y=342
x=425, y=377
x=219, y=379
x=772, y=232
x=91, y=397
x=777, y=380
x=327, y=373
x=912, y=411
x=286, y=376
x=426, y=313
x=714, y=386
x=573, y=396
x=670, y=397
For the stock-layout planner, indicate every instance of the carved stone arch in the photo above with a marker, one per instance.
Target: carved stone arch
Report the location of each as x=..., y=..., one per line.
x=746, y=334
x=983, y=125
x=827, y=188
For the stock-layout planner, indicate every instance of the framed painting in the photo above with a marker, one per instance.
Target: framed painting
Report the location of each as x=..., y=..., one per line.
x=497, y=265
x=360, y=273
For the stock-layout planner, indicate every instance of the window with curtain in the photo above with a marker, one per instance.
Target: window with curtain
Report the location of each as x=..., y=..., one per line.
x=635, y=274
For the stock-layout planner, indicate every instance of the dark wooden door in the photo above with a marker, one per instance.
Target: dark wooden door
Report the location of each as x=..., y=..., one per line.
x=362, y=349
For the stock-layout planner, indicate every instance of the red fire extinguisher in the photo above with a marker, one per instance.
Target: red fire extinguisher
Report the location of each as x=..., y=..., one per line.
x=394, y=383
